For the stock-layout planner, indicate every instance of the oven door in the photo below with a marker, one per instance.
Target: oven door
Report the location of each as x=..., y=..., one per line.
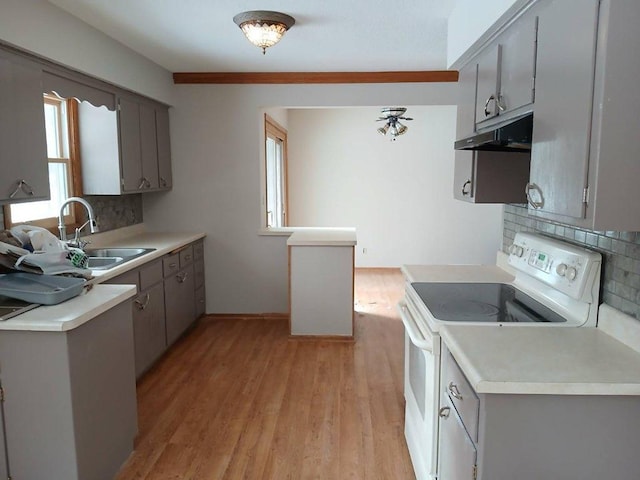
x=421, y=388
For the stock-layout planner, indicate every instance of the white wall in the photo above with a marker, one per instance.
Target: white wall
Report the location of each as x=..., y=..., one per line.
x=217, y=136
x=42, y=28
x=469, y=20
x=398, y=194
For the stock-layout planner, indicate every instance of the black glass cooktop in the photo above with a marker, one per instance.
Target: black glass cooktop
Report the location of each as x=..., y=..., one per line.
x=483, y=302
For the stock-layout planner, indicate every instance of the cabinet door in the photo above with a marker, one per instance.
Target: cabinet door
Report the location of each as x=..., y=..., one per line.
x=466, y=114
x=563, y=105
x=164, y=148
x=4, y=472
x=149, y=327
x=488, y=84
x=491, y=177
x=463, y=175
x=179, y=300
x=149, y=147
x=517, y=64
x=130, y=154
x=23, y=155
x=457, y=460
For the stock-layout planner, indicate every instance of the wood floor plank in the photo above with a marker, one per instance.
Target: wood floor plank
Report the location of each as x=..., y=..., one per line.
x=237, y=399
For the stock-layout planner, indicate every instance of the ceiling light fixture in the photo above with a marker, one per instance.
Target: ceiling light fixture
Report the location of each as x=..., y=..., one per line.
x=393, y=115
x=263, y=28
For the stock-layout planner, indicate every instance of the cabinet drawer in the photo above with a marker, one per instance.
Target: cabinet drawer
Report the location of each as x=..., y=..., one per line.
x=150, y=274
x=171, y=264
x=198, y=250
x=462, y=395
x=186, y=256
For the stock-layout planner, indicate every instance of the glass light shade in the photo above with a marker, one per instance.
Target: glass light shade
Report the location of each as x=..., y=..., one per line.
x=263, y=35
x=263, y=28
x=401, y=129
x=383, y=130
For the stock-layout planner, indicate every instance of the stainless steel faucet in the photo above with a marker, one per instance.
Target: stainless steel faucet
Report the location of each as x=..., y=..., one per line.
x=93, y=225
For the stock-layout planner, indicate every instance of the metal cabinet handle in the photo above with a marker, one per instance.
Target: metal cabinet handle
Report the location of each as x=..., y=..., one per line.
x=173, y=265
x=454, y=391
x=182, y=277
x=24, y=186
x=142, y=305
x=466, y=184
x=486, y=105
x=147, y=183
x=533, y=187
x=143, y=182
x=444, y=412
x=187, y=257
x=163, y=182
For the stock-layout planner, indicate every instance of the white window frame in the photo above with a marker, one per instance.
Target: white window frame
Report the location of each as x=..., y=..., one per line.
x=277, y=133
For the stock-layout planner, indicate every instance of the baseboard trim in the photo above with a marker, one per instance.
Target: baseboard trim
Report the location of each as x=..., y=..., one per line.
x=246, y=316
x=324, y=338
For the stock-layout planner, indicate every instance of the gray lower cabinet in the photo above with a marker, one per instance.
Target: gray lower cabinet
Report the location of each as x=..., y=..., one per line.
x=171, y=297
x=23, y=156
x=179, y=301
x=198, y=267
x=70, y=399
x=4, y=468
x=458, y=455
x=533, y=437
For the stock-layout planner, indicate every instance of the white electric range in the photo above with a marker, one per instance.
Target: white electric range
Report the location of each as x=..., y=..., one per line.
x=554, y=284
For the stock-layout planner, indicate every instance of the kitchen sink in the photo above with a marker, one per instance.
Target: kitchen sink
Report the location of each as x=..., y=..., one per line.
x=107, y=258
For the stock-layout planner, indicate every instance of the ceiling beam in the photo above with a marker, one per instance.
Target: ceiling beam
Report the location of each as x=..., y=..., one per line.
x=315, y=77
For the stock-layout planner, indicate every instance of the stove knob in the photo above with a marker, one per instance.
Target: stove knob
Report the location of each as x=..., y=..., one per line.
x=516, y=250
x=561, y=269
x=571, y=274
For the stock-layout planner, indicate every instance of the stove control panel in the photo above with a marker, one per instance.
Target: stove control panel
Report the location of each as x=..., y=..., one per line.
x=573, y=270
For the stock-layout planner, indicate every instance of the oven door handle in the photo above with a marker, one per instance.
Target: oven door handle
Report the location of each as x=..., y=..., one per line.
x=416, y=336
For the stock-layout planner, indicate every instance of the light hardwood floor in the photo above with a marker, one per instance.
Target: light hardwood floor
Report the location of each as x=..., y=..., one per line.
x=236, y=399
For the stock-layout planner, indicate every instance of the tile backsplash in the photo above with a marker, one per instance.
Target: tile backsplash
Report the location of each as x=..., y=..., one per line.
x=620, y=254
x=112, y=211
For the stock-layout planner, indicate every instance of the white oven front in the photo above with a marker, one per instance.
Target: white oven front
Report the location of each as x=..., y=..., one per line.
x=421, y=390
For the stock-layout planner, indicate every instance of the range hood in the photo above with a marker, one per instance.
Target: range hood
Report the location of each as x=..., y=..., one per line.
x=514, y=136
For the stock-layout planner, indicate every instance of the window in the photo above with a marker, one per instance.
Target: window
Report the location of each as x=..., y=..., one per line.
x=276, y=173
x=60, y=117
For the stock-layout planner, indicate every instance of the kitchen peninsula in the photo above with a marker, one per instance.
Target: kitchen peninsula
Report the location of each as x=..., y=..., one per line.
x=321, y=276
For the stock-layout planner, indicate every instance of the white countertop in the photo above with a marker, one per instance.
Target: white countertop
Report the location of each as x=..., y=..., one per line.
x=329, y=237
x=78, y=310
x=163, y=242
x=552, y=360
x=72, y=313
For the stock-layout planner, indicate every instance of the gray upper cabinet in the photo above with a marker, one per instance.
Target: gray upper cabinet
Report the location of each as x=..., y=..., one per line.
x=584, y=163
x=562, y=118
x=23, y=157
x=165, y=177
x=488, y=87
x=517, y=66
x=132, y=143
x=484, y=177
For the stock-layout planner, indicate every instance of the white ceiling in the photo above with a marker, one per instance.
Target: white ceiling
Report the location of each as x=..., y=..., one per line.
x=329, y=35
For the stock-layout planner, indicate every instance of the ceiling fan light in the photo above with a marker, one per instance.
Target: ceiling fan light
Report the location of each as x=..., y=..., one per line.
x=401, y=129
x=264, y=28
x=383, y=130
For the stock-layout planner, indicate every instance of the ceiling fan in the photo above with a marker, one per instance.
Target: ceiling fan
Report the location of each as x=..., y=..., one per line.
x=393, y=115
